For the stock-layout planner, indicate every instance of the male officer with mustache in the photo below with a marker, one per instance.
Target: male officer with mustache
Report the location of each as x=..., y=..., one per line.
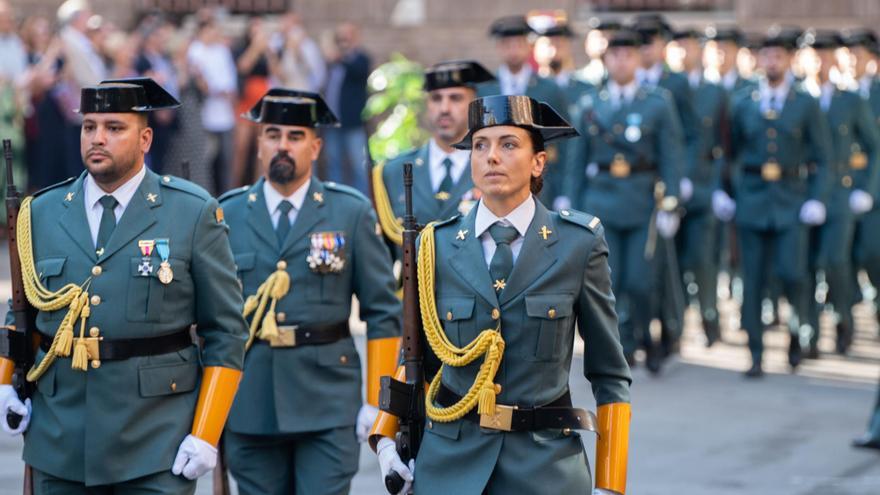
x=303, y=247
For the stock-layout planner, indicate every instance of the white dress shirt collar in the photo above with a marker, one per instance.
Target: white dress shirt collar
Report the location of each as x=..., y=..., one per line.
x=92, y=194
x=780, y=92
x=626, y=92
x=520, y=217
x=274, y=198
x=514, y=84
x=436, y=155
x=729, y=79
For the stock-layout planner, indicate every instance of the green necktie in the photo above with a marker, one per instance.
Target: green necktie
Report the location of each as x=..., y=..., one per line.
x=502, y=260
x=446, y=185
x=108, y=222
x=283, y=227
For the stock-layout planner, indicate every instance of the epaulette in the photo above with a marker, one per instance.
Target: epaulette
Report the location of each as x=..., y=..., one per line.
x=580, y=218
x=448, y=221
x=54, y=186
x=232, y=193
x=335, y=186
x=185, y=186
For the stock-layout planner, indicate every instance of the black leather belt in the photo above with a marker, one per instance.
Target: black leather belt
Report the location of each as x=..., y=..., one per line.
x=296, y=335
x=798, y=172
x=556, y=415
x=120, y=349
x=638, y=168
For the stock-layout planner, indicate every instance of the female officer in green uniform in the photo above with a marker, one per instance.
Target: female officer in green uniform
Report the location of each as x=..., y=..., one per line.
x=513, y=278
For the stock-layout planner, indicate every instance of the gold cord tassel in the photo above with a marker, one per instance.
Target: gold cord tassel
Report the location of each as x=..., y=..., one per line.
x=263, y=324
x=80, y=359
x=65, y=340
x=269, y=330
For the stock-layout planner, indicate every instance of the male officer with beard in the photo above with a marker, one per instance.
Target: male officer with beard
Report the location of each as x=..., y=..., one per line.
x=442, y=185
x=303, y=247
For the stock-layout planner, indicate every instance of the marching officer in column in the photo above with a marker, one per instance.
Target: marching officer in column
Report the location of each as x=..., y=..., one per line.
x=776, y=131
x=697, y=239
x=854, y=174
x=864, y=45
x=561, y=36
x=632, y=144
x=442, y=185
x=597, y=40
x=729, y=40
x=302, y=248
x=529, y=276
x=516, y=76
x=120, y=263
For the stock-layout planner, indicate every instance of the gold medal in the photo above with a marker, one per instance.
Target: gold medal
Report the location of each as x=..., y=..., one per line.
x=165, y=273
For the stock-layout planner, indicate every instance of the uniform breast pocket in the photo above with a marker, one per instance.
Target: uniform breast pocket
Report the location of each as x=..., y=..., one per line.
x=456, y=313
x=244, y=266
x=554, y=313
x=49, y=270
x=146, y=293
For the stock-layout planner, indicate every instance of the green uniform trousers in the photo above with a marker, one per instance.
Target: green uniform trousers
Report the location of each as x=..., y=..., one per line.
x=161, y=483
x=767, y=253
x=632, y=279
x=309, y=463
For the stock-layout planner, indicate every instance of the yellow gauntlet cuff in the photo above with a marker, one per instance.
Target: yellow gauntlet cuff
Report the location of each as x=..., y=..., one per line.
x=382, y=358
x=219, y=385
x=612, y=447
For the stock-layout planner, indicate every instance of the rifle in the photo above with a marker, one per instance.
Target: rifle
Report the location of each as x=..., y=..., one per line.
x=21, y=338
x=407, y=400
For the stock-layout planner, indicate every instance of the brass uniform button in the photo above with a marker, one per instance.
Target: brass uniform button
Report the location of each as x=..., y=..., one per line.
x=97, y=270
x=566, y=431
x=96, y=363
x=496, y=313
x=94, y=332
x=281, y=265
x=343, y=359
x=430, y=424
x=281, y=316
x=449, y=316
x=771, y=133
x=846, y=181
x=551, y=313
x=96, y=300
x=173, y=386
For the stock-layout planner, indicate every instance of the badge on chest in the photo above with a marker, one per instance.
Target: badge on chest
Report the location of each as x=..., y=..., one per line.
x=326, y=252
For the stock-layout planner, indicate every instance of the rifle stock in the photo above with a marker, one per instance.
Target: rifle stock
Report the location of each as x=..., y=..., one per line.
x=19, y=340
x=407, y=400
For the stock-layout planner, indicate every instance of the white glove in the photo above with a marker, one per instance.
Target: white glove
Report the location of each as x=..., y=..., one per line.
x=723, y=206
x=366, y=418
x=667, y=223
x=195, y=457
x=685, y=189
x=860, y=201
x=389, y=461
x=812, y=212
x=562, y=203
x=11, y=403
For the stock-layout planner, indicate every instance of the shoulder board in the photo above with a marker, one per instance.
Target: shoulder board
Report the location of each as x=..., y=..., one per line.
x=233, y=193
x=335, y=186
x=580, y=218
x=185, y=186
x=448, y=221
x=54, y=186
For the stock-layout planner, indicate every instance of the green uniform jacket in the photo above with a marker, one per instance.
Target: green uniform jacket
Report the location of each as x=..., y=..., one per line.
x=852, y=131
x=426, y=207
x=547, y=91
x=311, y=387
x=127, y=418
x=568, y=273
x=624, y=202
x=710, y=105
x=798, y=136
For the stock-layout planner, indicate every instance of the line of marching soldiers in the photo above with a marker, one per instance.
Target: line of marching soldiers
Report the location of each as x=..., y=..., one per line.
x=120, y=266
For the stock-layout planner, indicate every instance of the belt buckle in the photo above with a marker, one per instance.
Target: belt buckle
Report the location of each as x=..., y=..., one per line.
x=620, y=168
x=502, y=420
x=771, y=172
x=858, y=160
x=286, y=337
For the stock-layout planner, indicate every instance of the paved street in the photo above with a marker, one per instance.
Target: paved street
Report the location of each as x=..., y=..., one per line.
x=700, y=428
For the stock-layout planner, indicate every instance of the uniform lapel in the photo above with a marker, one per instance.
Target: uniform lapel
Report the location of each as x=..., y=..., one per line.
x=534, y=257
x=470, y=262
x=138, y=215
x=74, y=220
x=311, y=213
x=258, y=216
